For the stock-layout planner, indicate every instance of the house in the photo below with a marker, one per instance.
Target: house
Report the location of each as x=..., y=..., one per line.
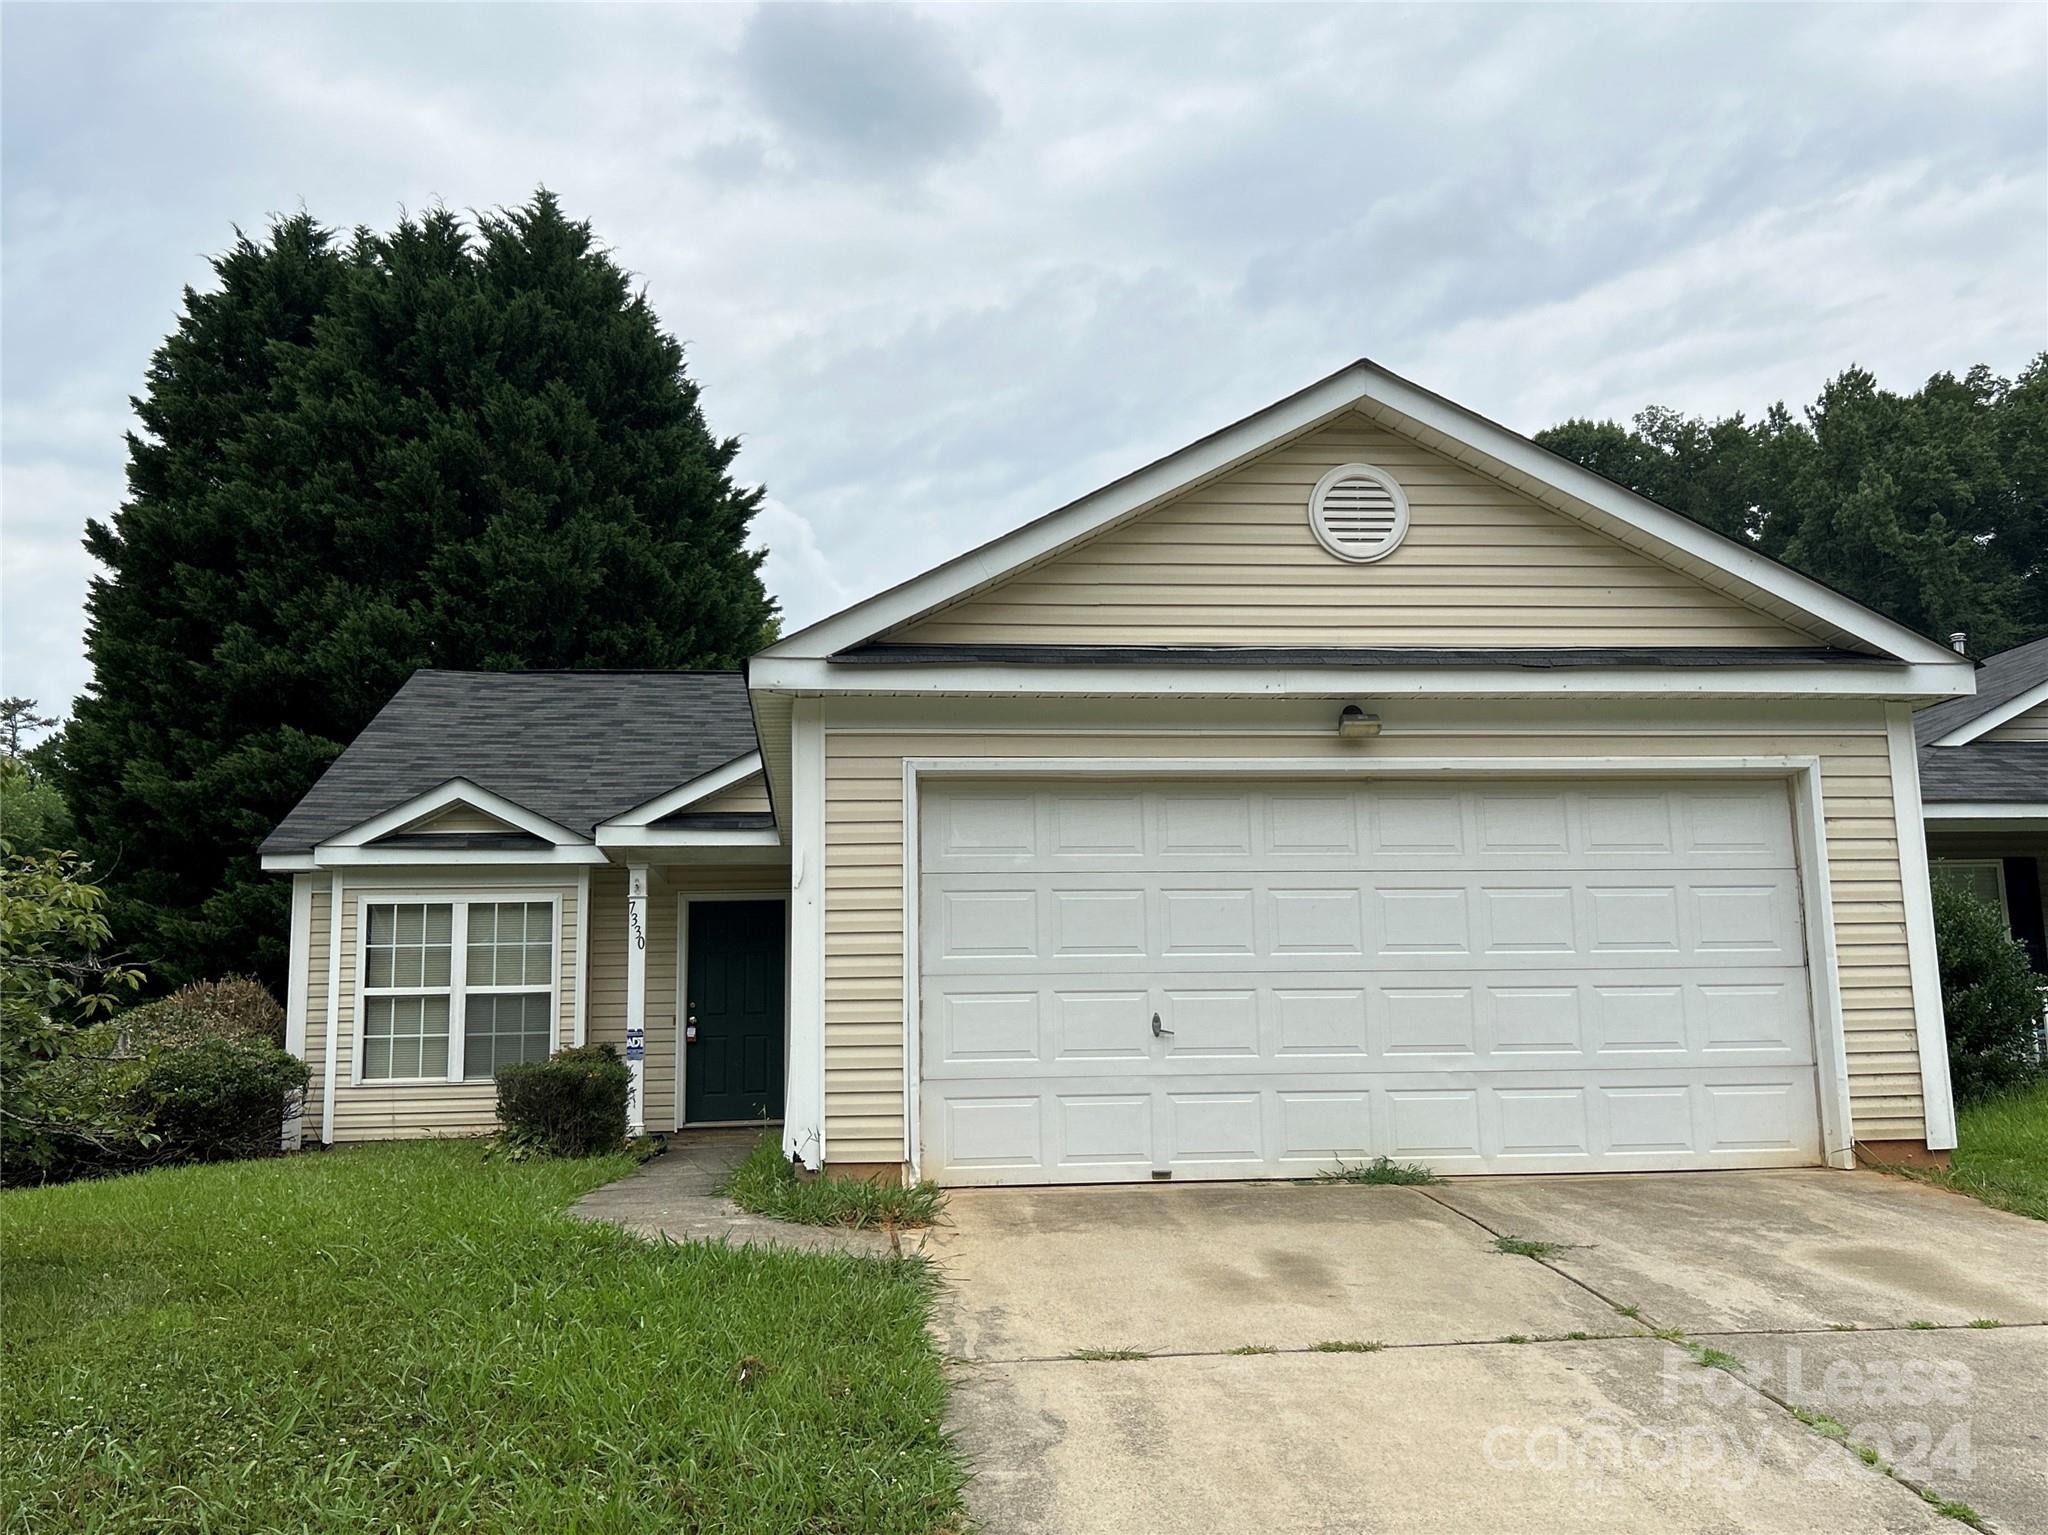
x=1359, y=779
x=1984, y=789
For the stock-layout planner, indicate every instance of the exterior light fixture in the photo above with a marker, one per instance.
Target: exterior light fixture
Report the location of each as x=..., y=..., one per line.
x=1354, y=724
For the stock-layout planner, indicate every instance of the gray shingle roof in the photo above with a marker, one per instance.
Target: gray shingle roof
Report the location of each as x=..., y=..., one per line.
x=2000, y=680
x=577, y=747
x=1985, y=772
x=2005, y=772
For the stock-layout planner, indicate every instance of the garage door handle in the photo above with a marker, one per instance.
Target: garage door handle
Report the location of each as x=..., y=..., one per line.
x=1156, y=1029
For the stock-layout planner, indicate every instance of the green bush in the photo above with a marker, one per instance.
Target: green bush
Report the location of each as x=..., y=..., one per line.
x=193, y=1077
x=1990, y=995
x=571, y=1105
x=235, y=1007
x=220, y=1100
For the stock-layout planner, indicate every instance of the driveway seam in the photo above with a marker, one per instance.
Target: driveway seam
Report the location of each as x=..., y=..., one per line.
x=1921, y=1491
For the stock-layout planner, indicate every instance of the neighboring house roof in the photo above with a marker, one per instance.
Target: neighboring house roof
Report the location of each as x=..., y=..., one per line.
x=1956, y=767
x=574, y=747
x=2002, y=682
x=1988, y=773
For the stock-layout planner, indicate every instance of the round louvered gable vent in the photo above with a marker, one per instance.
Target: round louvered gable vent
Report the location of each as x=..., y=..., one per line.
x=1358, y=512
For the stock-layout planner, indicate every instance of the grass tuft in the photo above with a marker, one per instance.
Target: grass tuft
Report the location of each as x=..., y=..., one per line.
x=1577, y=1337
x=1380, y=1170
x=1528, y=1247
x=1719, y=1359
x=1987, y=1321
x=1345, y=1346
x=1949, y=1508
x=766, y=1184
x=2001, y=1154
x=412, y=1337
x=1518, y=1337
x=1632, y=1311
x=1920, y=1324
x=1106, y=1355
x=1253, y=1348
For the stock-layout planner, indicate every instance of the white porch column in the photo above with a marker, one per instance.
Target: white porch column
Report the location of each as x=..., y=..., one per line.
x=636, y=997
x=803, y=1111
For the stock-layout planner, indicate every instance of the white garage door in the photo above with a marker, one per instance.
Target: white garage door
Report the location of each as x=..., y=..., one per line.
x=1231, y=980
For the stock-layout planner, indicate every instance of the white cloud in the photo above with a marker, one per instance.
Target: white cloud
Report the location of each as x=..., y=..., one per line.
x=944, y=269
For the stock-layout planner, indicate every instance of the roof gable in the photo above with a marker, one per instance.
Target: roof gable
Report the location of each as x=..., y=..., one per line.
x=570, y=748
x=1235, y=561
x=2009, y=685
x=1458, y=435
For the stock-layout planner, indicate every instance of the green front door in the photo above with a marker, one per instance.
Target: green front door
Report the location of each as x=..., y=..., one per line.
x=732, y=1070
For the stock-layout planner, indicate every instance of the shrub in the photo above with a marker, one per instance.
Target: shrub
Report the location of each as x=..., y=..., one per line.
x=234, y=1007
x=193, y=1077
x=220, y=1100
x=1990, y=994
x=571, y=1105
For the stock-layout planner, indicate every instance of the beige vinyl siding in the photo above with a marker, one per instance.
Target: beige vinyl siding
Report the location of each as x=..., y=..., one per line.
x=1234, y=562
x=376, y=1111
x=457, y=818
x=749, y=797
x=608, y=938
x=864, y=876
x=2030, y=726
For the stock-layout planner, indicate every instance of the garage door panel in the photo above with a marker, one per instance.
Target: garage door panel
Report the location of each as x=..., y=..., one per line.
x=1127, y=1128
x=1495, y=977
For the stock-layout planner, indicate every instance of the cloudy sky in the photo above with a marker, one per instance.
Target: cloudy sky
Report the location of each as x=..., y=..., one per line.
x=945, y=269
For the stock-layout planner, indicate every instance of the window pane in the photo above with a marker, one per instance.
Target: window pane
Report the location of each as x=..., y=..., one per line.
x=499, y=1030
x=511, y=943
x=435, y=970
x=411, y=925
x=381, y=920
x=405, y=1037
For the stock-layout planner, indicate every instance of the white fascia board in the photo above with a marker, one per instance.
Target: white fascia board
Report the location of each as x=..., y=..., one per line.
x=1678, y=532
x=1964, y=810
x=455, y=791
x=1210, y=456
x=288, y=863
x=627, y=839
x=807, y=676
x=1362, y=383
x=1991, y=719
x=703, y=786
x=571, y=855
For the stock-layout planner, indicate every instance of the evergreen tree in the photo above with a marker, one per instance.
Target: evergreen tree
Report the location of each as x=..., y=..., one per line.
x=1930, y=507
x=449, y=445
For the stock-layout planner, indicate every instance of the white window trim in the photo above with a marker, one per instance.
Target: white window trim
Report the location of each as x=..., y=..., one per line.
x=1997, y=868
x=458, y=988
x=1800, y=773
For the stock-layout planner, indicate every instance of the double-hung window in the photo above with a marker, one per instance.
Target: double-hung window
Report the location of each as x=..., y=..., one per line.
x=452, y=990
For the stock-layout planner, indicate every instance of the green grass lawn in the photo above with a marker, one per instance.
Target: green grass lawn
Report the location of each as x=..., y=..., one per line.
x=410, y=1337
x=2001, y=1155
x=766, y=1184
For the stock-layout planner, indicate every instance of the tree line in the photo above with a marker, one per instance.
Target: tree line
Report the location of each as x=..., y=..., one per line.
x=470, y=443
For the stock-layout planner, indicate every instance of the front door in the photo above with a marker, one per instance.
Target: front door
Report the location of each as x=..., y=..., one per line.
x=732, y=1070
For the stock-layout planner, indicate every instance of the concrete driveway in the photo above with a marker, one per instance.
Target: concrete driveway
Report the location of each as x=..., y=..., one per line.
x=1350, y=1359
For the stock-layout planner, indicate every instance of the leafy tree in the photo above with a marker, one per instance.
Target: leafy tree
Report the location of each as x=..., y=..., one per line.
x=459, y=444
x=1930, y=507
x=53, y=982
x=1990, y=996
x=17, y=717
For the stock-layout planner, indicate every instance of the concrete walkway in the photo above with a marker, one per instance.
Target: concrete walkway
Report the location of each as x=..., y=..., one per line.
x=1458, y=1388
x=676, y=1196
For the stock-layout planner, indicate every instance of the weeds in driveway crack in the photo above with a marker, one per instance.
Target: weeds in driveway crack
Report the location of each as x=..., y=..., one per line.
x=1252, y=1348
x=1987, y=1321
x=1920, y=1326
x=1632, y=1311
x=1345, y=1346
x=1380, y=1170
x=1529, y=1247
x=1107, y=1355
